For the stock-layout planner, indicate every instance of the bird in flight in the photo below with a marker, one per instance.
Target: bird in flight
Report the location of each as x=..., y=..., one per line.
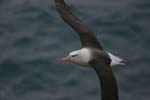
x=92, y=53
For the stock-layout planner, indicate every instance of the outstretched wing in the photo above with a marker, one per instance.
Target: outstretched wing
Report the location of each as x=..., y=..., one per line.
x=107, y=80
x=87, y=37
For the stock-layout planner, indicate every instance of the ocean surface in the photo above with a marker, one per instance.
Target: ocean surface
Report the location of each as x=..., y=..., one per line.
x=33, y=37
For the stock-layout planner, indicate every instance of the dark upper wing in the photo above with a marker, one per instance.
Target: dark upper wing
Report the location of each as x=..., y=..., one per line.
x=107, y=80
x=87, y=37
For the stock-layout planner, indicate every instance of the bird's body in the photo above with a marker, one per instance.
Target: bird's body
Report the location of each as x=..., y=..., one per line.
x=91, y=54
x=85, y=55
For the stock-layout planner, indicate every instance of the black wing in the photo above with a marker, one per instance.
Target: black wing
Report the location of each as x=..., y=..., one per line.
x=107, y=80
x=87, y=37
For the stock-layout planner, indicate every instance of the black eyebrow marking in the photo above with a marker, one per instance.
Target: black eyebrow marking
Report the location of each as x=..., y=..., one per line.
x=73, y=55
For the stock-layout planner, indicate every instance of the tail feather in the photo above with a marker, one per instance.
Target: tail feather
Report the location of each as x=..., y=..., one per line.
x=117, y=60
x=124, y=61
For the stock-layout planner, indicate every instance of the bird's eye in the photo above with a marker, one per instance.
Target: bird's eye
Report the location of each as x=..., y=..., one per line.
x=73, y=55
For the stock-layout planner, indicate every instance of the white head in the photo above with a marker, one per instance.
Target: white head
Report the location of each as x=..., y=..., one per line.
x=81, y=57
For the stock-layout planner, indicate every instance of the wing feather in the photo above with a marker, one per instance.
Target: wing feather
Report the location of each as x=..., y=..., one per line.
x=87, y=37
x=107, y=80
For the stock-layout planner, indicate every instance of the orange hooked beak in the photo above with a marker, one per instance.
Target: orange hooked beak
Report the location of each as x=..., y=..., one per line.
x=65, y=59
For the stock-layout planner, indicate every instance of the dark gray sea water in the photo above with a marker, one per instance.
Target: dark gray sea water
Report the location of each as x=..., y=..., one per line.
x=33, y=37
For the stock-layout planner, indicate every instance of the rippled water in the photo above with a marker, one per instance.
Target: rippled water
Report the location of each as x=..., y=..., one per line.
x=33, y=37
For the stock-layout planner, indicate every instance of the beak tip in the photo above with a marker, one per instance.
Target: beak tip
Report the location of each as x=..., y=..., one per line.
x=61, y=60
x=65, y=59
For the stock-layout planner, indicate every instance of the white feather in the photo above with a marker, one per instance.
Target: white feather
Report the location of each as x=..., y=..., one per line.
x=115, y=60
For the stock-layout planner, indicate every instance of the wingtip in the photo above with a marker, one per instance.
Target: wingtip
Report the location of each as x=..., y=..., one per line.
x=61, y=5
x=59, y=2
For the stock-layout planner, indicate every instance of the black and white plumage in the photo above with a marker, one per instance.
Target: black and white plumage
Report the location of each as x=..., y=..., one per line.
x=91, y=53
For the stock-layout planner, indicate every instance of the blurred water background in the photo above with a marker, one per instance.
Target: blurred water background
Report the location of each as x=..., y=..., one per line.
x=33, y=37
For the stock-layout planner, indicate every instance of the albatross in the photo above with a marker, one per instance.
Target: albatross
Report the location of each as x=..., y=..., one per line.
x=92, y=53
